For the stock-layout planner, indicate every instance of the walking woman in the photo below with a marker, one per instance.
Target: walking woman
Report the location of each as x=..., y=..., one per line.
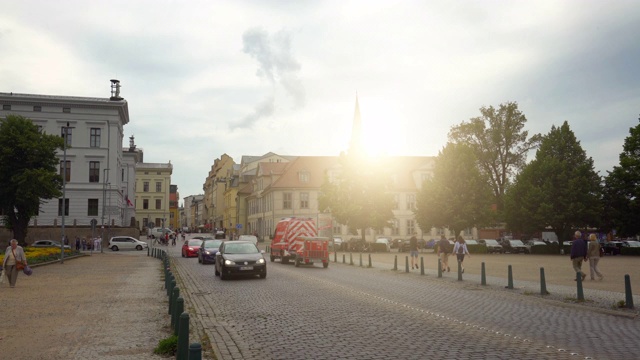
x=460, y=249
x=593, y=253
x=14, y=261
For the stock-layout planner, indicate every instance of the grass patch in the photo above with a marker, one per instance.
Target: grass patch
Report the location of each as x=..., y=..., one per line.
x=619, y=305
x=168, y=346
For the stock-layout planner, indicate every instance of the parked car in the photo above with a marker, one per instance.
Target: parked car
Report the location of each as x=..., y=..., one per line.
x=117, y=243
x=252, y=238
x=337, y=244
x=48, y=244
x=631, y=243
x=358, y=245
x=240, y=258
x=395, y=244
x=493, y=246
x=190, y=247
x=612, y=247
x=405, y=246
x=207, y=251
x=430, y=244
x=533, y=243
x=386, y=242
x=515, y=247
x=219, y=235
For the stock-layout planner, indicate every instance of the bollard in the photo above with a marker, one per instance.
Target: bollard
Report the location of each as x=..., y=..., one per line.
x=172, y=300
x=195, y=351
x=183, y=337
x=627, y=291
x=421, y=265
x=543, y=283
x=360, y=259
x=179, y=309
x=335, y=257
x=439, y=268
x=406, y=264
x=148, y=251
x=350, y=259
x=343, y=258
x=459, y=270
x=509, y=278
x=370, y=261
x=173, y=285
x=579, y=285
x=483, y=275
x=395, y=263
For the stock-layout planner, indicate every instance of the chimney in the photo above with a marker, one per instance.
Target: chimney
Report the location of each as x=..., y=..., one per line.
x=115, y=90
x=132, y=145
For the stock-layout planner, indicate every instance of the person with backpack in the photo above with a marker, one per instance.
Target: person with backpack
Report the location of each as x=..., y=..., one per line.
x=443, y=253
x=460, y=249
x=413, y=249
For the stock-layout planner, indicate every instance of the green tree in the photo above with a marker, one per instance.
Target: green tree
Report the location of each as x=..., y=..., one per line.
x=622, y=189
x=559, y=189
x=499, y=142
x=458, y=196
x=28, y=172
x=359, y=196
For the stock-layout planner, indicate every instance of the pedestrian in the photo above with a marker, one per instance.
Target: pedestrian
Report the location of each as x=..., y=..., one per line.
x=14, y=261
x=96, y=243
x=413, y=251
x=578, y=254
x=84, y=244
x=77, y=243
x=460, y=249
x=443, y=253
x=593, y=253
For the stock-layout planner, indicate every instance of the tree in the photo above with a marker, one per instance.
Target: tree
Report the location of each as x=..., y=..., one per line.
x=360, y=196
x=622, y=189
x=559, y=189
x=499, y=142
x=28, y=172
x=458, y=196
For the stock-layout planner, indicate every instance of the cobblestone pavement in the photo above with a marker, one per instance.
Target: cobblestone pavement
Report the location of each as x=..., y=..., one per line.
x=351, y=312
x=105, y=306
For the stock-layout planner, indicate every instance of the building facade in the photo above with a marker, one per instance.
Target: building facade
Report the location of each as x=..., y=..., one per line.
x=153, y=185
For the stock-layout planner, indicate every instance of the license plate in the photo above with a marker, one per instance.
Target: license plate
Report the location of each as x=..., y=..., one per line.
x=246, y=267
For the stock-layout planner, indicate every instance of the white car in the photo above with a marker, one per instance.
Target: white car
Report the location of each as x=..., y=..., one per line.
x=126, y=243
x=385, y=241
x=252, y=238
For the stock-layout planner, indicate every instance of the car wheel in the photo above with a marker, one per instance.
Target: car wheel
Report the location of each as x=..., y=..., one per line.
x=297, y=261
x=271, y=258
x=325, y=264
x=139, y=247
x=200, y=261
x=182, y=253
x=114, y=248
x=264, y=274
x=222, y=275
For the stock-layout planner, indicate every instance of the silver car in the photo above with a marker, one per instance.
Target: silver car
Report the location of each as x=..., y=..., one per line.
x=126, y=243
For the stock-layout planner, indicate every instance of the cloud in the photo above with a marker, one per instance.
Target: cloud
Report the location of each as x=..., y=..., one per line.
x=277, y=65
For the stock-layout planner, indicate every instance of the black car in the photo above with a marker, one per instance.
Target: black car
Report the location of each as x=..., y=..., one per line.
x=207, y=251
x=515, y=247
x=493, y=246
x=239, y=258
x=612, y=247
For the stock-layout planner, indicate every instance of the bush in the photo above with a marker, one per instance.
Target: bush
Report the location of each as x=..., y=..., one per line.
x=549, y=249
x=477, y=249
x=168, y=346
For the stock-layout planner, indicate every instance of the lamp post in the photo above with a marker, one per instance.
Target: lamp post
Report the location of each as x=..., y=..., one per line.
x=104, y=205
x=64, y=188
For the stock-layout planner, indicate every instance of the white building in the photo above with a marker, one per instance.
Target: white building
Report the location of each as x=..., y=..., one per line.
x=98, y=177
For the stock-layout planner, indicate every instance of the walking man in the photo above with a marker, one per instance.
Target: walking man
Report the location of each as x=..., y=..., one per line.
x=413, y=249
x=443, y=253
x=578, y=254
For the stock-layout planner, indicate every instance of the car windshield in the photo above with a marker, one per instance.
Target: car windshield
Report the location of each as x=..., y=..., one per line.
x=193, y=242
x=471, y=242
x=633, y=243
x=382, y=241
x=516, y=242
x=212, y=244
x=242, y=248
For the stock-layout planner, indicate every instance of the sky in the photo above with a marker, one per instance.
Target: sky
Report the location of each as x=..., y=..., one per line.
x=205, y=78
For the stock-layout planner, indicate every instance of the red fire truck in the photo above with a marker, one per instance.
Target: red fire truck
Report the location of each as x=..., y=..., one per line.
x=296, y=239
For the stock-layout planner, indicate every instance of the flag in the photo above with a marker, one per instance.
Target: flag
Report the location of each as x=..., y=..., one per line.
x=129, y=203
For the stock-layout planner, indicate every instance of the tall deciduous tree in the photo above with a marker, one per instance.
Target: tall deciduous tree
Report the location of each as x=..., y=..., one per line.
x=359, y=196
x=499, y=142
x=622, y=189
x=458, y=196
x=559, y=189
x=28, y=172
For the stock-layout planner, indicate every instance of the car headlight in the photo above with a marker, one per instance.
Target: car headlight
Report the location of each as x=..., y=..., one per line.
x=260, y=261
x=207, y=252
x=229, y=262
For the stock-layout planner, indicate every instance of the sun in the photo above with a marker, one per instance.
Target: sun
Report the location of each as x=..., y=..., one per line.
x=382, y=135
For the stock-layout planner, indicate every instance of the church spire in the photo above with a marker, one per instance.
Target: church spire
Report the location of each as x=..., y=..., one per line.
x=355, y=146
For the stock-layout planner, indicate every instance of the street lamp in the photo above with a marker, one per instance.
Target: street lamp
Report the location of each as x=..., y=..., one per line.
x=64, y=187
x=104, y=201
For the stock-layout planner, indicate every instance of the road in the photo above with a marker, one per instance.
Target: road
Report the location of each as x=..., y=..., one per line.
x=349, y=312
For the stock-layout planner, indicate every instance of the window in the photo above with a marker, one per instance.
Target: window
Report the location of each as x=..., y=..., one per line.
x=94, y=171
x=37, y=108
x=411, y=227
x=286, y=201
x=66, y=109
x=69, y=133
x=303, y=176
x=66, y=207
x=304, y=200
x=67, y=175
x=92, y=207
x=395, y=201
x=158, y=204
x=440, y=231
x=395, y=227
x=158, y=187
x=122, y=175
x=6, y=107
x=145, y=203
x=94, y=137
x=145, y=186
x=411, y=201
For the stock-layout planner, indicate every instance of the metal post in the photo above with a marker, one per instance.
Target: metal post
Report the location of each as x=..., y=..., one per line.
x=370, y=261
x=422, y=265
x=580, y=291
x=510, y=278
x=459, y=270
x=483, y=275
x=183, y=337
x=543, y=283
x=627, y=292
x=406, y=264
x=439, y=268
x=64, y=189
x=179, y=309
x=360, y=259
x=195, y=351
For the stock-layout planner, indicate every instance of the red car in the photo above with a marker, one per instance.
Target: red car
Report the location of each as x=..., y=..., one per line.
x=190, y=247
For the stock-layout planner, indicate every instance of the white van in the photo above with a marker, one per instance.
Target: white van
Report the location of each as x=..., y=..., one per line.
x=157, y=232
x=251, y=238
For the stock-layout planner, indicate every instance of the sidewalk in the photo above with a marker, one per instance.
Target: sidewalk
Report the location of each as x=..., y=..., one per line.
x=105, y=306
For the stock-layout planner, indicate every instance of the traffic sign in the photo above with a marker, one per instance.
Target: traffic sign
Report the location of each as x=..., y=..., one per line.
x=238, y=226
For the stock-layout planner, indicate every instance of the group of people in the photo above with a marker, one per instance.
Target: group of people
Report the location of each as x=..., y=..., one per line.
x=87, y=243
x=444, y=249
x=583, y=250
